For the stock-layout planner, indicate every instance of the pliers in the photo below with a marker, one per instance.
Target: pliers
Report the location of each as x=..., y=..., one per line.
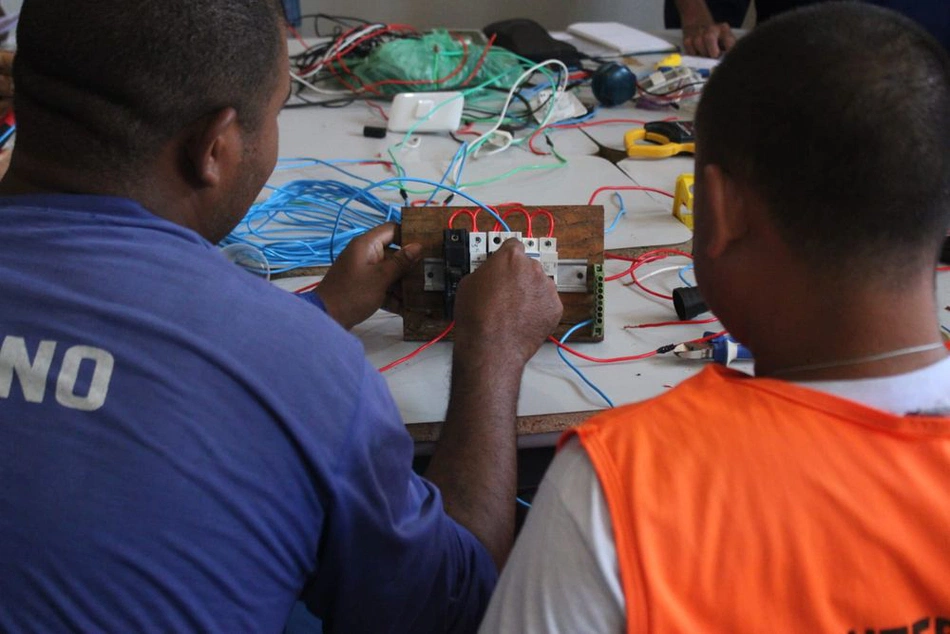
x=723, y=349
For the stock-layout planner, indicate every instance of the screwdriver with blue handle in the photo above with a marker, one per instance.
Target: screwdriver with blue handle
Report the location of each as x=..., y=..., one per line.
x=722, y=349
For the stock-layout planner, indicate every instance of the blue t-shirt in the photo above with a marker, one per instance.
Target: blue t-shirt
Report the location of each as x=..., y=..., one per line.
x=184, y=447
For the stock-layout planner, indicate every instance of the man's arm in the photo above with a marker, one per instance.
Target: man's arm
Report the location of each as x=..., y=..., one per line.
x=505, y=310
x=701, y=34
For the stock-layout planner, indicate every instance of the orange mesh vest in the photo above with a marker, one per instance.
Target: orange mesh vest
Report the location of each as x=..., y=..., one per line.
x=756, y=505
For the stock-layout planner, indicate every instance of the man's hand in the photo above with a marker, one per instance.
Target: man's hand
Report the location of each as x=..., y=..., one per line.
x=503, y=311
x=359, y=282
x=507, y=307
x=708, y=39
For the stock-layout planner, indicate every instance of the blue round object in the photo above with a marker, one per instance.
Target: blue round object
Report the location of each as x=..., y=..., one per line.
x=613, y=84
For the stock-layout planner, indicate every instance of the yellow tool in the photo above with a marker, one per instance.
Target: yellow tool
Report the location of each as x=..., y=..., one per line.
x=665, y=139
x=683, y=197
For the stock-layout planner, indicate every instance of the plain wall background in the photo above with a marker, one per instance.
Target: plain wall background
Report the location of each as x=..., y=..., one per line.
x=553, y=14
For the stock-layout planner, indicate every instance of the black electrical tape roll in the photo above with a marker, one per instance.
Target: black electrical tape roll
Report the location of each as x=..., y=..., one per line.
x=688, y=302
x=374, y=132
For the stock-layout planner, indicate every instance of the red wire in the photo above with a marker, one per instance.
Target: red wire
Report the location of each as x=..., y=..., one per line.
x=481, y=60
x=397, y=82
x=943, y=268
x=547, y=214
x=308, y=287
x=624, y=188
x=296, y=34
x=418, y=350
x=514, y=210
x=415, y=82
x=635, y=357
x=468, y=212
x=646, y=258
x=378, y=109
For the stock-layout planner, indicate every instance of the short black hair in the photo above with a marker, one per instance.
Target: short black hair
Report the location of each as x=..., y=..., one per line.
x=838, y=115
x=105, y=83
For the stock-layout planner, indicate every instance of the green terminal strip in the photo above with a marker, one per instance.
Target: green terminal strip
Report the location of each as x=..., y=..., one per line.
x=597, y=327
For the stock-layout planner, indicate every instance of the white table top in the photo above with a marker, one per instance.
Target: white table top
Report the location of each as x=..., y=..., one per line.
x=420, y=386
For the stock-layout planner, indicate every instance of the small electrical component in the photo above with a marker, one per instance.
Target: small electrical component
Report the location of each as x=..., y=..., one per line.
x=456, y=263
x=464, y=251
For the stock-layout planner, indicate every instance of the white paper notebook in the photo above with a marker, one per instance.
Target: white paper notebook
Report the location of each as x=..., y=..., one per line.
x=619, y=37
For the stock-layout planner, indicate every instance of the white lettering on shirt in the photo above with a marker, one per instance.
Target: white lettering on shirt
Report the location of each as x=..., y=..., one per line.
x=33, y=375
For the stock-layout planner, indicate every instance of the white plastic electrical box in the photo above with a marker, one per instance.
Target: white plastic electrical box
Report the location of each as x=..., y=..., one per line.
x=426, y=112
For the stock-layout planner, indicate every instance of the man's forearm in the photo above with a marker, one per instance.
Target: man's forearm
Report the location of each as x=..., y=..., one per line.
x=693, y=12
x=475, y=461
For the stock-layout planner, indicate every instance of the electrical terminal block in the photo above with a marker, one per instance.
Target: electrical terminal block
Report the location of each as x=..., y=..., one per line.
x=497, y=238
x=465, y=251
x=597, y=325
x=477, y=250
x=455, y=261
x=547, y=248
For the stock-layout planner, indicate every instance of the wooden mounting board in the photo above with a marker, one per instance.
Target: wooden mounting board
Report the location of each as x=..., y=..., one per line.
x=579, y=230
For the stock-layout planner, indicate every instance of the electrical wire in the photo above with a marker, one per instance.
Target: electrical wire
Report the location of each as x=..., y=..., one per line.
x=419, y=350
x=621, y=212
x=299, y=223
x=573, y=367
x=405, y=179
x=624, y=188
x=682, y=276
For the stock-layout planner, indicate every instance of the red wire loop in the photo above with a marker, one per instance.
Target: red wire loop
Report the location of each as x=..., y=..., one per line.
x=468, y=212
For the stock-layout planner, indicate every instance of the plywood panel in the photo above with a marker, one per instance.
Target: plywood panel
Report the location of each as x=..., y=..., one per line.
x=579, y=230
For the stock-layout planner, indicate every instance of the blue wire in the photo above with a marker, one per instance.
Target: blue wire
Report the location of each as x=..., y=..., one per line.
x=581, y=119
x=620, y=214
x=6, y=135
x=407, y=179
x=522, y=502
x=307, y=162
x=293, y=228
x=564, y=358
x=945, y=328
x=688, y=267
x=460, y=153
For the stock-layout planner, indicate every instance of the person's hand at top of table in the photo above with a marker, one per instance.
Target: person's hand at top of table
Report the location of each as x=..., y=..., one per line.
x=701, y=34
x=708, y=40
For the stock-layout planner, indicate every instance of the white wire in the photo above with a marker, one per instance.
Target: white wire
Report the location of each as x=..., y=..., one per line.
x=665, y=269
x=562, y=86
x=315, y=88
x=333, y=50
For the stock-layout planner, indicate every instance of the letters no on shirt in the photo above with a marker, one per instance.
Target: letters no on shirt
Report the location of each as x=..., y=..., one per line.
x=33, y=374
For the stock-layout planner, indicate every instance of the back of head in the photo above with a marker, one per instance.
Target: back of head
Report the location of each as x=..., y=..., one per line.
x=838, y=116
x=103, y=84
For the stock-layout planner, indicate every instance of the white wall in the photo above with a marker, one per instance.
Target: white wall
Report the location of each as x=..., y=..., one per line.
x=553, y=14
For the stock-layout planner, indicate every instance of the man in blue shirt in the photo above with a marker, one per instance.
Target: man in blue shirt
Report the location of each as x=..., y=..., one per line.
x=184, y=447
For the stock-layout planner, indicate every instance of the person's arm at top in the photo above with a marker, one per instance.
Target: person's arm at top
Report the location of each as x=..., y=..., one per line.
x=701, y=34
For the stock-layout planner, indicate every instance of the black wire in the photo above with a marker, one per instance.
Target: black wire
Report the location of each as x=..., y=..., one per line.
x=670, y=92
x=342, y=21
